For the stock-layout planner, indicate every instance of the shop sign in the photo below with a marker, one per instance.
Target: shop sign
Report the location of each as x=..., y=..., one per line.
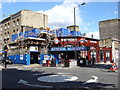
x=93, y=41
x=46, y=57
x=69, y=39
x=78, y=48
x=33, y=48
x=70, y=48
x=58, y=49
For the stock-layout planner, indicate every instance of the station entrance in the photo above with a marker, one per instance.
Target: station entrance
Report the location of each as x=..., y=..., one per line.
x=34, y=57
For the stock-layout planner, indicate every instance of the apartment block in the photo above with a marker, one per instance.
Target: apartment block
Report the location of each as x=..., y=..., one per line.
x=110, y=35
x=109, y=29
x=21, y=21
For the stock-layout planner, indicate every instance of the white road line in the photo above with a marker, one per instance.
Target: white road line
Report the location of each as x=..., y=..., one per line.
x=63, y=73
x=94, y=80
x=39, y=74
x=57, y=78
x=31, y=85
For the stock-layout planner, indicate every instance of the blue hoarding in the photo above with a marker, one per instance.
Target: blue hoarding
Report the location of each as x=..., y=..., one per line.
x=61, y=32
x=32, y=33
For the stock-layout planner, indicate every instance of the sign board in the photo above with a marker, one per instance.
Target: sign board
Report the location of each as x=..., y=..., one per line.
x=78, y=48
x=46, y=57
x=93, y=41
x=70, y=48
x=69, y=40
x=33, y=48
x=21, y=57
x=56, y=41
x=58, y=49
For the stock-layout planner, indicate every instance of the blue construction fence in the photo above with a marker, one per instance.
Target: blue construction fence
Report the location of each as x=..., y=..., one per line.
x=61, y=32
x=20, y=59
x=25, y=58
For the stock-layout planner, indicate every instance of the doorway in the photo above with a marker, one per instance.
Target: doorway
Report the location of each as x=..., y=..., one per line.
x=34, y=57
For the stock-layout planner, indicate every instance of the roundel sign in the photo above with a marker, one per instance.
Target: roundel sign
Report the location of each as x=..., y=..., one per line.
x=82, y=40
x=56, y=41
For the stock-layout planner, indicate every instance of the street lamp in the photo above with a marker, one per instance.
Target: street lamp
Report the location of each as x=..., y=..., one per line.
x=75, y=24
x=74, y=15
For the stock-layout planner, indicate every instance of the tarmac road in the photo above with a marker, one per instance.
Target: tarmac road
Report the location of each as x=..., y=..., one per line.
x=27, y=77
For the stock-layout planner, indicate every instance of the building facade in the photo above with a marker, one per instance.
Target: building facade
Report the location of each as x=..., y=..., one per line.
x=110, y=36
x=0, y=38
x=109, y=29
x=72, y=28
x=21, y=21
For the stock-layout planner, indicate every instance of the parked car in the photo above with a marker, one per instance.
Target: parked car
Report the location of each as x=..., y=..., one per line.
x=8, y=60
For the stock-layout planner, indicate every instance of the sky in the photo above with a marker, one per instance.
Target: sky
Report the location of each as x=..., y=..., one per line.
x=61, y=14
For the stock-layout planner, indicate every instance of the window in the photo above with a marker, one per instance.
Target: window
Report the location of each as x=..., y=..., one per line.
x=1, y=28
x=13, y=23
x=13, y=31
x=5, y=26
x=7, y=39
x=17, y=22
x=4, y=39
x=8, y=26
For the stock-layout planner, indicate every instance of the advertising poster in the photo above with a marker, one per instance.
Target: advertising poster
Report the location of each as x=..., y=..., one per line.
x=21, y=57
x=46, y=57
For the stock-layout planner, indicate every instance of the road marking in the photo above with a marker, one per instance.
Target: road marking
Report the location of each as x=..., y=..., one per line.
x=27, y=83
x=57, y=78
x=63, y=73
x=94, y=80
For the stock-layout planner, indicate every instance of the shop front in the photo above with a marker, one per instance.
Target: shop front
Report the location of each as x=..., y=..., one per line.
x=67, y=55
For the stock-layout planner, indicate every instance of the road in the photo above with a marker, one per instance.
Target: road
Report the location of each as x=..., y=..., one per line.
x=57, y=77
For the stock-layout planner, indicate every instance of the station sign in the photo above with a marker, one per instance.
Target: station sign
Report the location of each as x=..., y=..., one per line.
x=70, y=48
x=78, y=48
x=56, y=41
x=58, y=49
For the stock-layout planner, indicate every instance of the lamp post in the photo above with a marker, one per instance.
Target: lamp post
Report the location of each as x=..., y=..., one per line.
x=75, y=24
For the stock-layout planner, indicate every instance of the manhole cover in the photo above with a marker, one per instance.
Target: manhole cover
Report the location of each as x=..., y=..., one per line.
x=57, y=78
